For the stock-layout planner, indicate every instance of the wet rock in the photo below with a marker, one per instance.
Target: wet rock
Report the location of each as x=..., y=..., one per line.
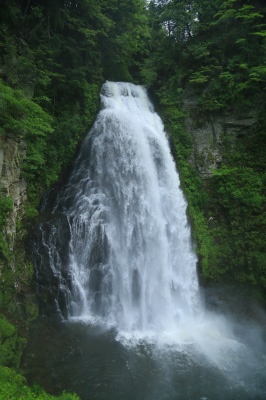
x=210, y=135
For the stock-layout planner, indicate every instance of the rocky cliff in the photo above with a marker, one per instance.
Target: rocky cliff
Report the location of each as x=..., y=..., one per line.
x=12, y=184
x=211, y=135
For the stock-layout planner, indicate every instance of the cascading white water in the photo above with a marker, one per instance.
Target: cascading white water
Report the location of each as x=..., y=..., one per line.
x=130, y=260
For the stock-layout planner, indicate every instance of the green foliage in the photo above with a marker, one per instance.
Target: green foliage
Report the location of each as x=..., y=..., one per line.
x=125, y=46
x=59, y=57
x=4, y=248
x=219, y=52
x=10, y=344
x=240, y=56
x=20, y=115
x=13, y=387
x=217, y=58
x=6, y=205
x=240, y=197
x=24, y=118
x=239, y=187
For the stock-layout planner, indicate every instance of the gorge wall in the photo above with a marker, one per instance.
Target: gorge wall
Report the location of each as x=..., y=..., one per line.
x=16, y=272
x=221, y=160
x=210, y=134
x=12, y=183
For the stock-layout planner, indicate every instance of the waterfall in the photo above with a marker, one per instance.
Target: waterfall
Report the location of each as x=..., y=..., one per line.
x=119, y=243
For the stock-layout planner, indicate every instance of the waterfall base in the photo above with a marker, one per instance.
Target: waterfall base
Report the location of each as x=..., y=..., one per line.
x=101, y=363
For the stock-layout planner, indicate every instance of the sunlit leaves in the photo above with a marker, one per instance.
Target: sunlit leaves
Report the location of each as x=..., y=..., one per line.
x=239, y=186
x=20, y=115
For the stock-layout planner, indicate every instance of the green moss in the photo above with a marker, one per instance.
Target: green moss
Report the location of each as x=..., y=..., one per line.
x=6, y=205
x=11, y=344
x=13, y=386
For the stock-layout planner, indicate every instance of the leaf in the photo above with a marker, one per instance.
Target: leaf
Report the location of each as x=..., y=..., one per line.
x=260, y=33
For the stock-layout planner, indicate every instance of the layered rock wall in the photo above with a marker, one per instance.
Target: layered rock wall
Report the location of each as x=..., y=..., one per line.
x=210, y=136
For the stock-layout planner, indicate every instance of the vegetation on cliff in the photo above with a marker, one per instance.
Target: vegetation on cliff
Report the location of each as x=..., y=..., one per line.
x=215, y=51
x=13, y=387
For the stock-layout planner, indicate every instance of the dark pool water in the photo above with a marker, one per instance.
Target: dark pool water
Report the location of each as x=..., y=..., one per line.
x=90, y=361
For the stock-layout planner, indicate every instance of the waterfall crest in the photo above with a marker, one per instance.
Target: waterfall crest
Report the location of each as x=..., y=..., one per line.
x=119, y=243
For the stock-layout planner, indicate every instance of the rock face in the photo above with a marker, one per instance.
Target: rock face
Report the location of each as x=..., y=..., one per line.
x=12, y=184
x=209, y=137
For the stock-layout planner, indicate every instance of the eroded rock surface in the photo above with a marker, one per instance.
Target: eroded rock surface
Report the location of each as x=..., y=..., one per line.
x=209, y=137
x=12, y=184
